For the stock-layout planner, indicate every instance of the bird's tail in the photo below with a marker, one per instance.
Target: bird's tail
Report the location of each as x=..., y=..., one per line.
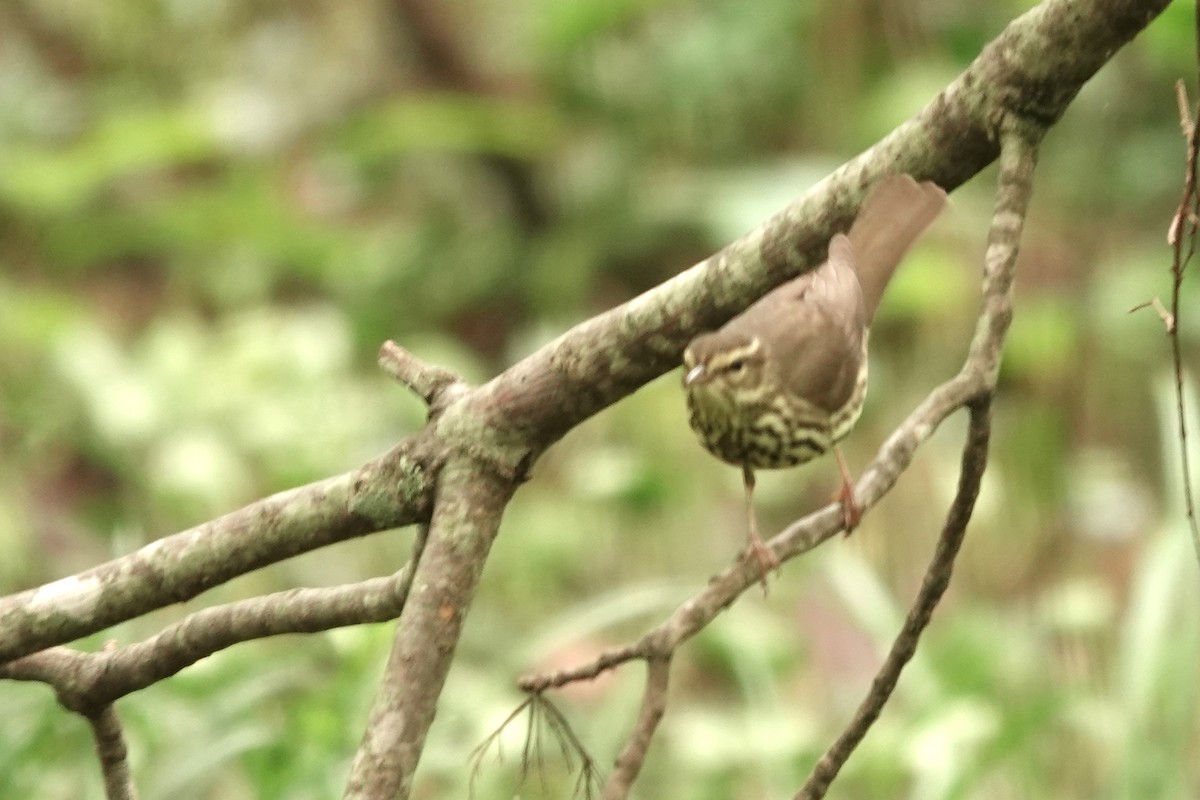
x=895, y=213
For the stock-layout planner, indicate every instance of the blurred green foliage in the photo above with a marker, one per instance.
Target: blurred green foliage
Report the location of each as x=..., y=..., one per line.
x=211, y=214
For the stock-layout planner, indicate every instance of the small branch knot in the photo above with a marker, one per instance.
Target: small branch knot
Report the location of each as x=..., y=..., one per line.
x=435, y=385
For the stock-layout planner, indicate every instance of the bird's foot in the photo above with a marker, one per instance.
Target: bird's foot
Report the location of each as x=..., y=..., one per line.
x=851, y=513
x=767, y=560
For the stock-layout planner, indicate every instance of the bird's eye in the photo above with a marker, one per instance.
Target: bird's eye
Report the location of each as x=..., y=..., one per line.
x=737, y=366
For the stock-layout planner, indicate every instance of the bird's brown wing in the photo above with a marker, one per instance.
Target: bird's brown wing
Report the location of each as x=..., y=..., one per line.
x=814, y=327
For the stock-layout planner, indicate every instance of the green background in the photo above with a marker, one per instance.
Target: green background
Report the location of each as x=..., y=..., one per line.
x=212, y=214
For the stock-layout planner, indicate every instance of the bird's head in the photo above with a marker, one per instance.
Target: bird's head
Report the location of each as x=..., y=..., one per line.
x=724, y=364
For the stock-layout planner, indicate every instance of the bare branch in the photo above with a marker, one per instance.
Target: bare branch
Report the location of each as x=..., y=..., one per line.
x=795, y=540
x=1184, y=230
x=386, y=493
x=1031, y=71
x=427, y=381
x=114, y=756
x=464, y=525
x=1186, y=123
x=937, y=578
x=654, y=704
x=507, y=423
x=535, y=684
x=87, y=682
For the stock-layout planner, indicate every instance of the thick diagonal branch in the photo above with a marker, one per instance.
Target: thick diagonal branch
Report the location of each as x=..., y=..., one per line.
x=465, y=522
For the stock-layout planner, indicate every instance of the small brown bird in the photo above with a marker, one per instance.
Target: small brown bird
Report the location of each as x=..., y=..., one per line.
x=784, y=381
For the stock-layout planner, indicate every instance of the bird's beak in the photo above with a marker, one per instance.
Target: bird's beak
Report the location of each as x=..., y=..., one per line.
x=695, y=374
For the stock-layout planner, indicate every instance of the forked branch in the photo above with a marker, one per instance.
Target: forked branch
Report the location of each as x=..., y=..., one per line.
x=1017, y=161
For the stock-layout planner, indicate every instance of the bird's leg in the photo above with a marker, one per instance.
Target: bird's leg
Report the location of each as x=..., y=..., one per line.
x=851, y=515
x=766, y=559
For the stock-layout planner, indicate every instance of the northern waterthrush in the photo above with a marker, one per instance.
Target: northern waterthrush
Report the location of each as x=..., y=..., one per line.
x=784, y=381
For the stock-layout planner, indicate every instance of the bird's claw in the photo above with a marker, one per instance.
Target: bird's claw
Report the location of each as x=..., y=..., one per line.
x=767, y=560
x=851, y=513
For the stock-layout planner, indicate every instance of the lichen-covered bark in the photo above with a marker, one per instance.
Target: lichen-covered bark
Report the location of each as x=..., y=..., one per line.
x=467, y=516
x=387, y=493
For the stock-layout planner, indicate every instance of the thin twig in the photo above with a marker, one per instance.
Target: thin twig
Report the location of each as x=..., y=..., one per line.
x=1168, y=319
x=585, y=672
x=475, y=759
x=542, y=714
x=1187, y=125
x=798, y=538
x=654, y=704
x=937, y=578
x=1184, y=229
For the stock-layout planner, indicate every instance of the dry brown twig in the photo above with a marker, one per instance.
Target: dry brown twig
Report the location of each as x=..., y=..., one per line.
x=1182, y=235
x=542, y=715
x=1184, y=229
